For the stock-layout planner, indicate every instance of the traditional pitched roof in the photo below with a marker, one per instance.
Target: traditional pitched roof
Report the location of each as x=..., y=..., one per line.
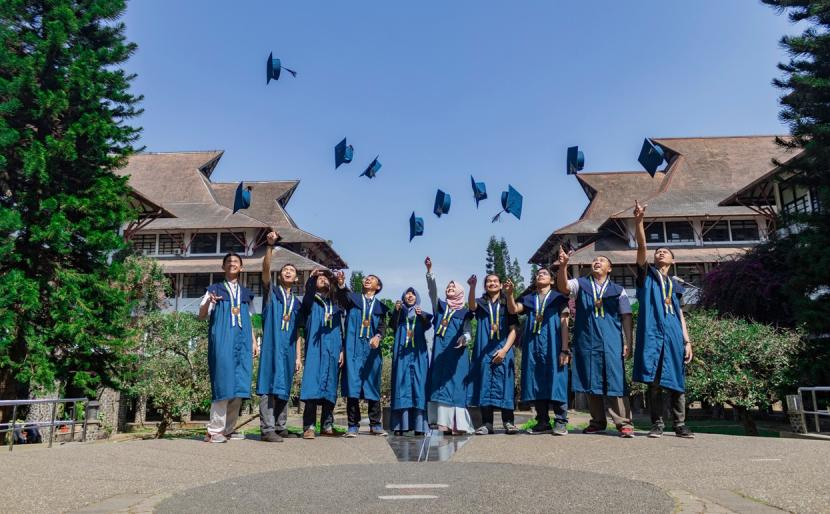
x=268, y=200
x=622, y=254
x=704, y=170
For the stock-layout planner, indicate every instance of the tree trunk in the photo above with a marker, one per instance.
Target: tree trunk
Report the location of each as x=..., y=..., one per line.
x=749, y=424
x=166, y=419
x=140, y=410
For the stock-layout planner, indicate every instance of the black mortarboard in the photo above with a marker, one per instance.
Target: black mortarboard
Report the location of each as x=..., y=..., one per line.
x=511, y=201
x=442, y=203
x=576, y=160
x=372, y=169
x=343, y=153
x=479, y=190
x=242, y=198
x=416, y=226
x=651, y=157
x=274, y=66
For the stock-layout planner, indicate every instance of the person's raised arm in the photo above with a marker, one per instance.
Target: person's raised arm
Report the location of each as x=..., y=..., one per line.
x=342, y=291
x=512, y=306
x=432, y=287
x=272, y=238
x=562, y=272
x=471, y=296
x=640, y=233
x=308, y=295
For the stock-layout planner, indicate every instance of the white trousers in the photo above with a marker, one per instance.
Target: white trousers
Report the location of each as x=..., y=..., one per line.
x=455, y=418
x=223, y=416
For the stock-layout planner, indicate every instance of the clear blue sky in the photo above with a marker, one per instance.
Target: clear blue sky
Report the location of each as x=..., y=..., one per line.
x=442, y=90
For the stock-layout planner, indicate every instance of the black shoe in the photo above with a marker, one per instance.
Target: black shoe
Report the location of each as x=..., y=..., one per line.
x=684, y=432
x=656, y=431
x=271, y=437
x=285, y=433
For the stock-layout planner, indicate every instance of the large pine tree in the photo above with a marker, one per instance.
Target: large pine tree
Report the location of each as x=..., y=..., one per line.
x=64, y=107
x=806, y=109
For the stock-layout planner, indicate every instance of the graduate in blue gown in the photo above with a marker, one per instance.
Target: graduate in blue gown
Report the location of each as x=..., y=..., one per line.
x=280, y=354
x=365, y=326
x=230, y=348
x=493, y=368
x=603, y=316
x=323, y=352
x=448, y=386
x=410, y=362
x=545, y=351
x=663, y=345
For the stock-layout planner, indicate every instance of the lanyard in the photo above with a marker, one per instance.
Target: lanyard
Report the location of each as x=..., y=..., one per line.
x=236, y=312
x=598, y=291
x=328, y=308
x=287, y=308
x=366, y=317
x=410, y=332
x=667, y=291
x=494, y=320
x=442, y=328
x=539, y=318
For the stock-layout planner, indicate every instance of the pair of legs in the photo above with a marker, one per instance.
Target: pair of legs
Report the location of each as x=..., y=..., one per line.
x=656, y=402
x=507, y=418
x=310, y=414
x=543, y=408
x=223, y=417
x=353, y=414
x=617, y=408
x=404, y=420
x=273, y=414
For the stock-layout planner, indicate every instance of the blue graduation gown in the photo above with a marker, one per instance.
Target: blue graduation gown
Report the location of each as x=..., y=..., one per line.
x=542, y=376
x=362, y=366
x=410, y=363
x=598, y=343
x=322, y=350
x=230, y=348
x=659, y=335
x=279, y=347
x=448, y=380
x=493, y=384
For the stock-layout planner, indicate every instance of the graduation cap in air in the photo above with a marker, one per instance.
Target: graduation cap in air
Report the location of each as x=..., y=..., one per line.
x=242, y=198
x=651, y=157
x=372, y=169
x=479, y=190
x=416, y=226
x=274, y=66
x=511, y=201
x=576, y=160
x=442, y=203
x=342, y=153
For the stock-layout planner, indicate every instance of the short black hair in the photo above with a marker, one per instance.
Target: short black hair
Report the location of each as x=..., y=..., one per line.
x=666, y=249
x=287, y=264
x=607, y=259
x=380, y=282
x=229, y=255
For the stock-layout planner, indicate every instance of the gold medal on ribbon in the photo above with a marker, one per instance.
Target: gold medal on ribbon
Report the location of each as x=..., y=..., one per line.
x=235, y=311
x=409, y=334
x=445, y=322
x=668, y=301
x=366, y=323
x=287, y=317
x=598, y=303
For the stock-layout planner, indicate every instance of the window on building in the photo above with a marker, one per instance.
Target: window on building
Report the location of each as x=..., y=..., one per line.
x=654, y=233
x=255, y=283
x=679, y=232
x=691, y=273
x=624, y=277
x=203, y=243
x=744, y=230
x=232, y=242
x=195, y=284
x=170, y=244
x=795, y=198
x=715, y=231
x=144, y=243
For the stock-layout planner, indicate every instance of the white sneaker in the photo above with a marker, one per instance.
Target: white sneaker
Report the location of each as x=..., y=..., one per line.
x=215, y=438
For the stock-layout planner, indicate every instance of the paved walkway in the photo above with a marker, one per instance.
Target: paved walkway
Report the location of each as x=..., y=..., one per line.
x=709, y=474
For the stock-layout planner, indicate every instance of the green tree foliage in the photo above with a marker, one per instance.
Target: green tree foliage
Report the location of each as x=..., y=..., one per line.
x=356, y=281
x=498, y=262
x=64, y=104
x=174, y=365
x=740, y=363
x=806, y=109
